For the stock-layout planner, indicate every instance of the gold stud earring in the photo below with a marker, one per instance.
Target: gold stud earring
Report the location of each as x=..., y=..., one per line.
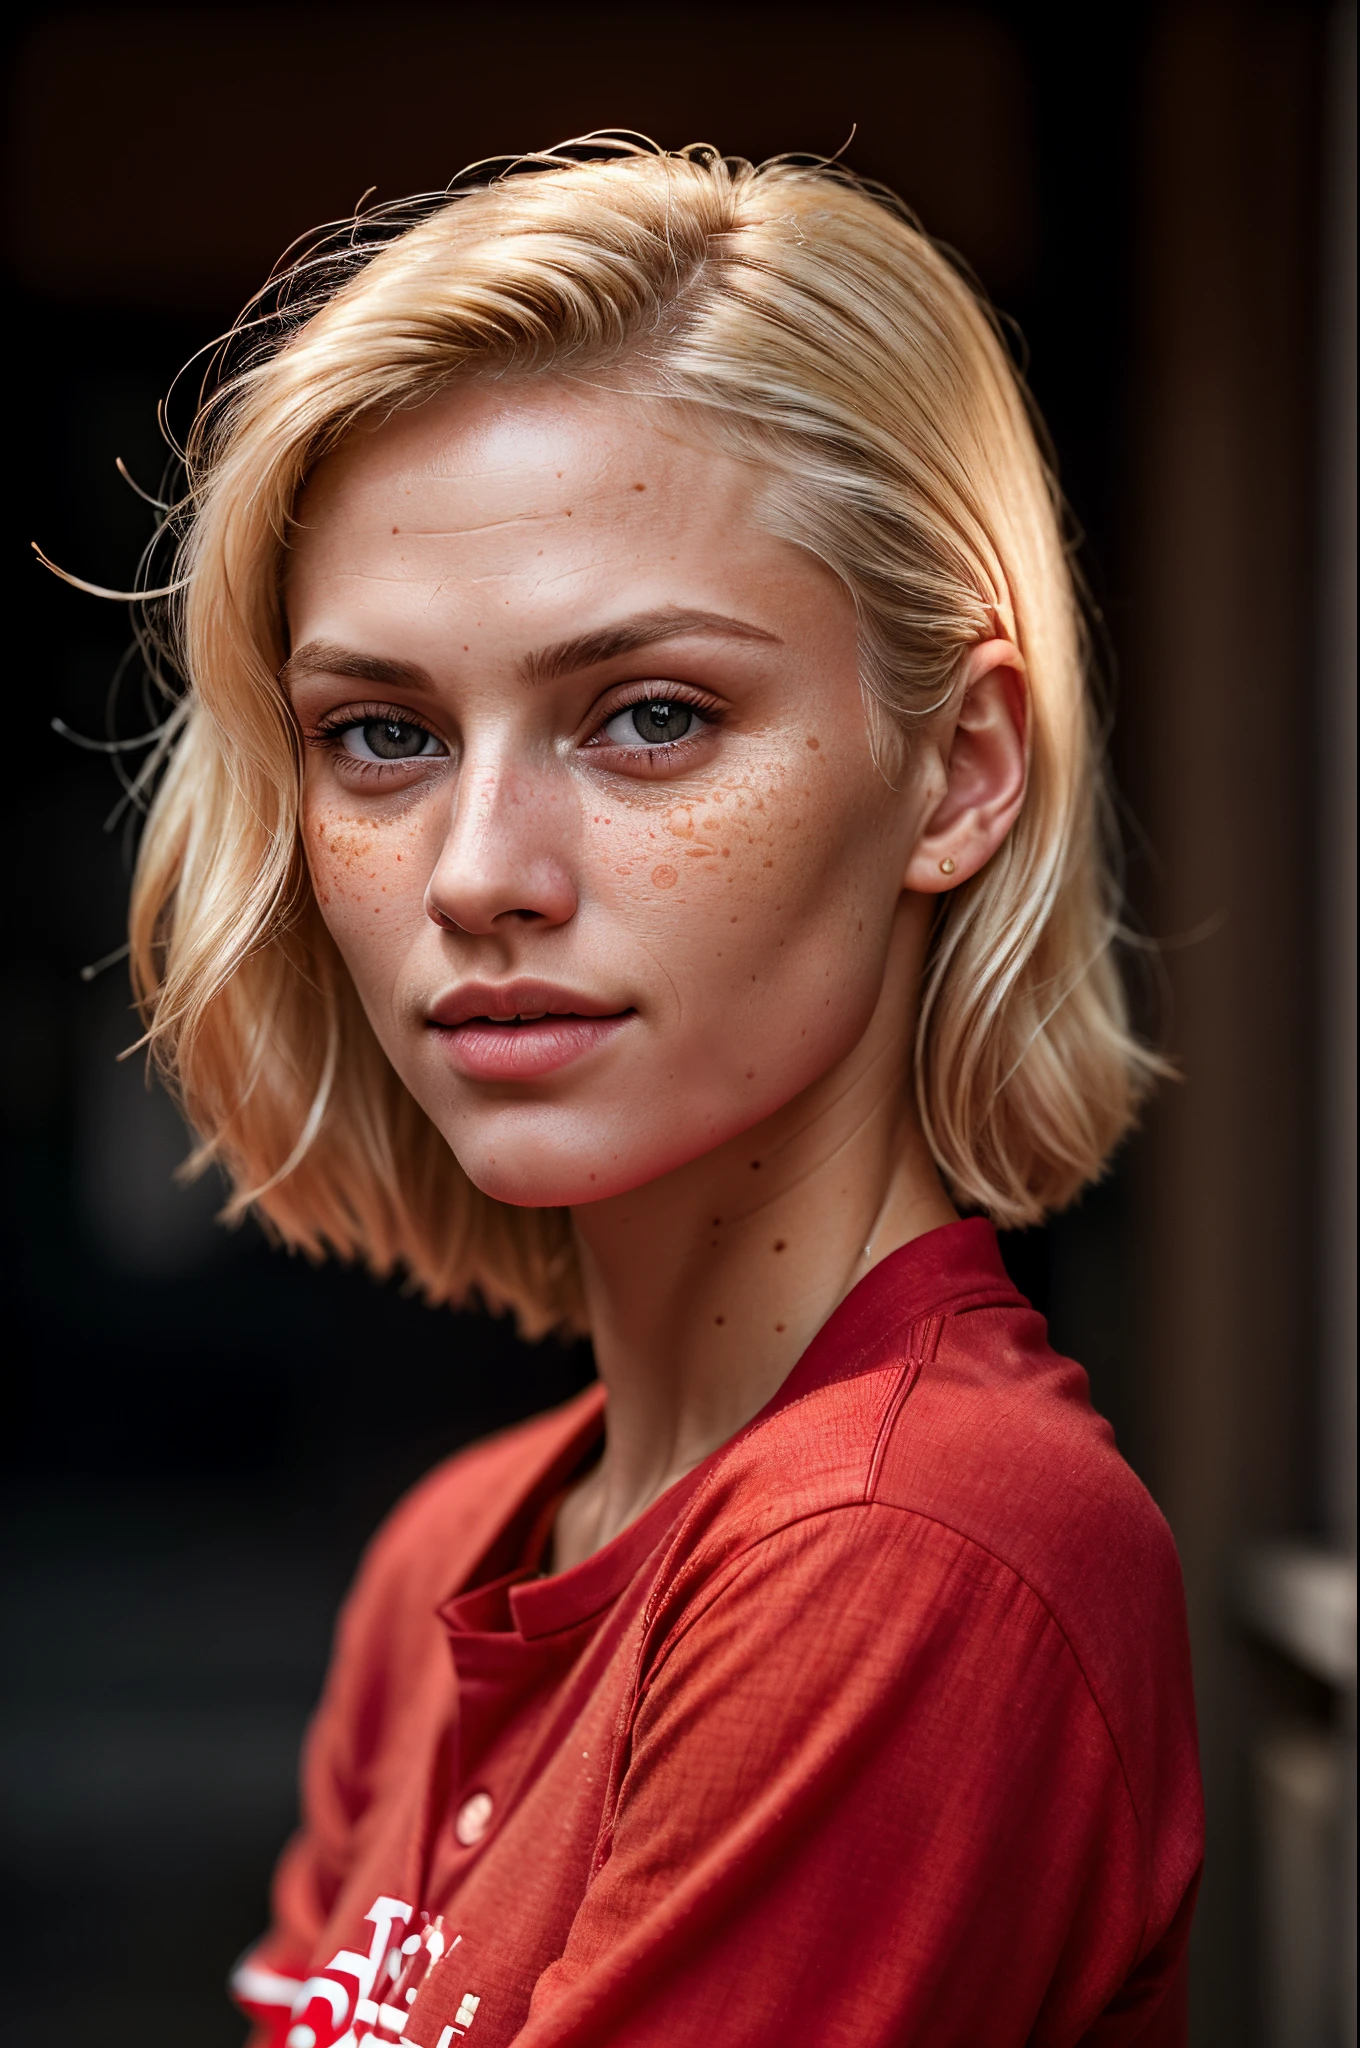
x=948, y=864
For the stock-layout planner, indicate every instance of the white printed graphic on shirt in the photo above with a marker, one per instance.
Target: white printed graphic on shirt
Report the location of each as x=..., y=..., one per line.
x=356, y=1997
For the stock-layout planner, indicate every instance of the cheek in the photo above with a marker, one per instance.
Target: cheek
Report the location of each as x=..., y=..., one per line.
x=763, y=888
x=367, y=874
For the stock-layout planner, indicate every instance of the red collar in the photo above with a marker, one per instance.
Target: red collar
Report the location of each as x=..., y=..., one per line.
x=956, y=1266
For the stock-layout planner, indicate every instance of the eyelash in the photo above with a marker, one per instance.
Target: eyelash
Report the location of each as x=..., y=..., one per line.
x=329, y=732
x=666, y=751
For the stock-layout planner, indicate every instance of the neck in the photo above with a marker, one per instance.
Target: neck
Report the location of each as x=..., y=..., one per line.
x=705, y=1287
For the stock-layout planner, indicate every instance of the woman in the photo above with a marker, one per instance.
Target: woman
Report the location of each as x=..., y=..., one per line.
x=632, y=848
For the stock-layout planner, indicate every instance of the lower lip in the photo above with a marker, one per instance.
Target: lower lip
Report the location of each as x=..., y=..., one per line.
x=525, y=1052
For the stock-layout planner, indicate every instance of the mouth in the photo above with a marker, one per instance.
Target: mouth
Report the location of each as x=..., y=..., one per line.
x=521, y=1030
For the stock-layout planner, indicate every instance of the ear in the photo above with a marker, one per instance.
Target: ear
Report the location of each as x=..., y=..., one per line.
x=982, y=749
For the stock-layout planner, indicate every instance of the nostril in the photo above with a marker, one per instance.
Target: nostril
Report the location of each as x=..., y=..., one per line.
x=474, y=901
x=451, y=924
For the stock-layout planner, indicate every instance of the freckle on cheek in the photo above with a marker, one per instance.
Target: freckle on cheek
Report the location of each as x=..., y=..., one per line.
x=664, y=878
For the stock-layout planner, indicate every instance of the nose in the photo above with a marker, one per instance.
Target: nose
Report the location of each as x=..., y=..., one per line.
x=505, y=854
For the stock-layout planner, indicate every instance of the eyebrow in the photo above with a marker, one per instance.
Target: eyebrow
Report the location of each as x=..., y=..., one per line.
x=586, y=650
x=326, y=658
x=644, y=629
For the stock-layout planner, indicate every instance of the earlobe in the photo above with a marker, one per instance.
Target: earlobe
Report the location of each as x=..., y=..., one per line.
x=983, y=747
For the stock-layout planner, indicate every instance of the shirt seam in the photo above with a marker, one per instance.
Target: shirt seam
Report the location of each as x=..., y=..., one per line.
x=992, y=1294
x=919, y=1357
x=905, y=1369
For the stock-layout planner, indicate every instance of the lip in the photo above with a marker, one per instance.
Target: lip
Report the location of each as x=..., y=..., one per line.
x=473, y=1023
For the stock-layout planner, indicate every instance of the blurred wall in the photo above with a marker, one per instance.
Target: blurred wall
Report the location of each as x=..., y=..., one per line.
x=205, y=1430
x=1233, y=750
x=232, y=128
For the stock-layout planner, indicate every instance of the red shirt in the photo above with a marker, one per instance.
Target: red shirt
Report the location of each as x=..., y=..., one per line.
x=875, y=1729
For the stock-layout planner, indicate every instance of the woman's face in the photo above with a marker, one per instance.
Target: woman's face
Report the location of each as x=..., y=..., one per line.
x=589, y=804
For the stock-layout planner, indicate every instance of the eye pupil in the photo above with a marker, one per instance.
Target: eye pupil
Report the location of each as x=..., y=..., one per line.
x=662, y=718
x=393, y=739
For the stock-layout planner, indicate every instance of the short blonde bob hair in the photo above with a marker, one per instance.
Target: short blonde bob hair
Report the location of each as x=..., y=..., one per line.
x=804, y=320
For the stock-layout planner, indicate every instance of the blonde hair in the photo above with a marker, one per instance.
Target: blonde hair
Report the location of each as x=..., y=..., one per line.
x=806, y=321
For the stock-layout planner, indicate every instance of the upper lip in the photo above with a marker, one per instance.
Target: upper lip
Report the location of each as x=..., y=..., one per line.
x=517, y=999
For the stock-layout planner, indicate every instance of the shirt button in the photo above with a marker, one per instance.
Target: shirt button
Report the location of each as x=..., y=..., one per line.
x=474, y=1818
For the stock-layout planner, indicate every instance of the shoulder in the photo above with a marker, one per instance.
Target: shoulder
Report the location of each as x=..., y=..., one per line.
x=389, y=1667
x=997, y=1439
x=386, y=1687
x=998, y=1442
x=960, y=1418
x=950, y=1405
x=444, y=1525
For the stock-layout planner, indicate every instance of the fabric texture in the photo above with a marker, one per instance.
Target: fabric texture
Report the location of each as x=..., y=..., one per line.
x=876, y=1729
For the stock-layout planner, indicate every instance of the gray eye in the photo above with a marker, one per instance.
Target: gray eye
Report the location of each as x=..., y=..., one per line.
x=389, y=739
x=653, y=721
x=664, y=720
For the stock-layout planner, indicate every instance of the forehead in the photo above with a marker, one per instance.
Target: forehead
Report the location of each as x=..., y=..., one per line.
x=487, y=432
x=496, y=519
x=491, y=481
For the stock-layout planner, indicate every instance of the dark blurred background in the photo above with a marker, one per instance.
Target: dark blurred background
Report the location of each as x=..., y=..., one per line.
x=202, y=1432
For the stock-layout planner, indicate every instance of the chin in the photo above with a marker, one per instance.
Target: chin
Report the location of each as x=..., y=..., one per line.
x=535, y=1176
x=532, y=1157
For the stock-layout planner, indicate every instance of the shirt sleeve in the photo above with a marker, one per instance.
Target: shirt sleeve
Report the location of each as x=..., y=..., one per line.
x=865, y=1797
x=312, y=1868
x=378, y=1664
